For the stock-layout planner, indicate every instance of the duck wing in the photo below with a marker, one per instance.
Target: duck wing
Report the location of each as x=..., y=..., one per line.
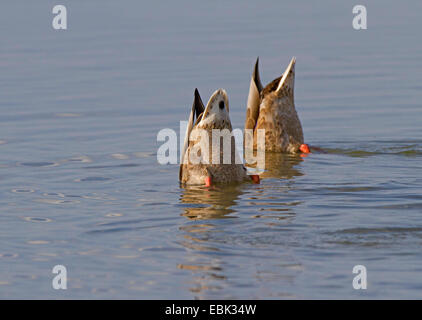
x=255, y=88
x=197, y=109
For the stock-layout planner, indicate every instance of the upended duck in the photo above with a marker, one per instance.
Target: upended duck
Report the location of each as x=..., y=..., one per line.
x=272, y=108
x=197, y=166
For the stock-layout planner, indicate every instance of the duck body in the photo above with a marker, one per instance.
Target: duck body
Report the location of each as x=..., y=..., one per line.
x=273, y=109
x=201, y=148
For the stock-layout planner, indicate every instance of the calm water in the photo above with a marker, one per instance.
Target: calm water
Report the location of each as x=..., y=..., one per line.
x=80, y=184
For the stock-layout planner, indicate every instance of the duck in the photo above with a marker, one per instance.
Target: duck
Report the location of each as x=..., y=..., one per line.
x=272, y=108
x=197, y=166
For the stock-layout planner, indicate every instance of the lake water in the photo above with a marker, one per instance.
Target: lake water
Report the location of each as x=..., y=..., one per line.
x=80, y=184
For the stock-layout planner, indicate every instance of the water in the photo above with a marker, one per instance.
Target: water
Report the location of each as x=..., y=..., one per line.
x=80, y=184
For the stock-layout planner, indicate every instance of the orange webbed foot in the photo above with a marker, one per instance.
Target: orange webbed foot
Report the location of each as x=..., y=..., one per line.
x=208, y=181
x=305, y=148
x=255, y=178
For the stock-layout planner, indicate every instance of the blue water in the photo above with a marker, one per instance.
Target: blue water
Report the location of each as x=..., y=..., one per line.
x=80, y=184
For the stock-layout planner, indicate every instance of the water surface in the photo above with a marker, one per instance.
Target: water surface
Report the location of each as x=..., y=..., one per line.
x=80, y=184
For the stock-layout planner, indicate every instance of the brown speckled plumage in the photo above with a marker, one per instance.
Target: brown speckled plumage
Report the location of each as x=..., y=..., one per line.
x=213, y=117
x=272, y=108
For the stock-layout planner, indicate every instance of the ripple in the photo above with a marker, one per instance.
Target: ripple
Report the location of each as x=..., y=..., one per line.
x=113, y=215
x=98, y=197
x=38, y=164
x=126, y=165
x=377, y=148
x=26, y=276
x=92, y=179
x=54, y=201
x=37, y=219
x=409, y=153
x=53, y=194
x=377, y=230
x=143, y=154
x=9, y=255
x=102, y=290
x=83, y=159
x=198, y=267
x=375, y=237
x=126, y=257
x=89, y=252
x=130, y=228
x=417, y=205
x=23, y=190
x=47, y=254
x=38, y=242
x=119, y=156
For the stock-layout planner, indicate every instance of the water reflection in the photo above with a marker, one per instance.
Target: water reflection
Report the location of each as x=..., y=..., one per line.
x=203, y=260
x=214, y=203
x=282, y=166
x=209, y=237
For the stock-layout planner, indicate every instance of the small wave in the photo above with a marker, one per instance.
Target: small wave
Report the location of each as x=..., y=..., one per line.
x=377, y=230
x=39, y=164
x=92, y=179
x=127, y=165
x=23, y=190
x=55, y=201
x=367, y=149
x=37, y=219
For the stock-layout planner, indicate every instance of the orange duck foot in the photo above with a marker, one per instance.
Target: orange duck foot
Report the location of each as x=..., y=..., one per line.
x=305, y=148
x=255, y=178
x=208, y=182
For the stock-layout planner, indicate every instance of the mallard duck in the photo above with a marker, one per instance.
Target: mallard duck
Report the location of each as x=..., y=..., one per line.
x=272, y=108
x=198, y=167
